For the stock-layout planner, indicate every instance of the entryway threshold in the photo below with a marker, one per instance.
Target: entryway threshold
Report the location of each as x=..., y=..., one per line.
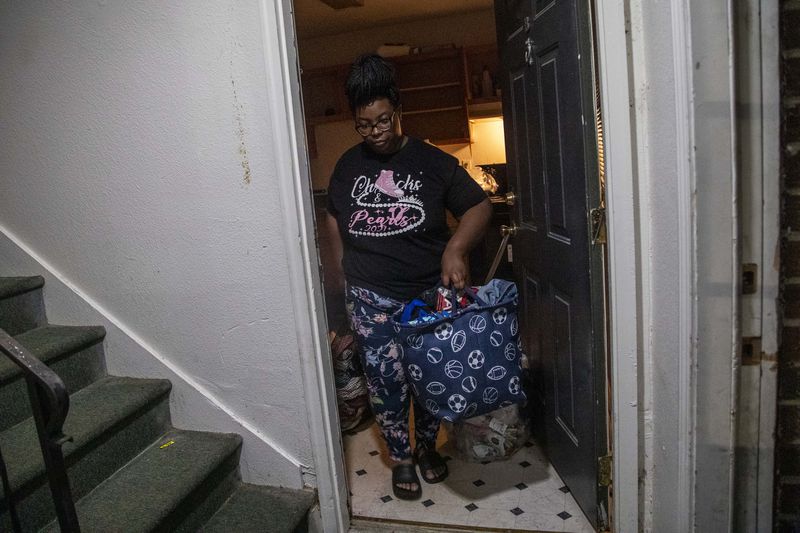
x=378, y=525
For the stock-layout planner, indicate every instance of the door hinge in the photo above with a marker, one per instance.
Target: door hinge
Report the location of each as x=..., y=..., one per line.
x=598, y=219
x=605, y=466
x=751, y=351
x=749, y=278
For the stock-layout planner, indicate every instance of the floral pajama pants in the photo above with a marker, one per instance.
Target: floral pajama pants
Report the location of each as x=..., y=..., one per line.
x=381, y=354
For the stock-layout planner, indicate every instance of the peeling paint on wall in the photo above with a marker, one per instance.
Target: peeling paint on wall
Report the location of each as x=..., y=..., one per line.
x=239, y=112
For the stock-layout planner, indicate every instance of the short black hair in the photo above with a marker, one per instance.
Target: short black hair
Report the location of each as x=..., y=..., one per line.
x=371, y=77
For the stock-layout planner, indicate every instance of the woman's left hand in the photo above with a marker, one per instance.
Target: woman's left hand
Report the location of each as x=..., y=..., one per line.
x=454, y=268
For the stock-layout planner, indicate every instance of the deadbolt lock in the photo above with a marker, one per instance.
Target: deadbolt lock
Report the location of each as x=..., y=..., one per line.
x=510, y=198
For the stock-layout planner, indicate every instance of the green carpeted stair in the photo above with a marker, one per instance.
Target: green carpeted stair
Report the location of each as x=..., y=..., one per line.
x=129, y=469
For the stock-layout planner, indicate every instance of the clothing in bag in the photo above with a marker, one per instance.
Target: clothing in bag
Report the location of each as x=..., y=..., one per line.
x=352, y=396
x=467, y=363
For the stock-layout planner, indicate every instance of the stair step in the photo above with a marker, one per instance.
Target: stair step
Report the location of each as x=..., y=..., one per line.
x=49, y=343
x=74, y=353
x=12, y=286
x=110, y=422
x=258, y=508
x=164, y=486
x=21, y=304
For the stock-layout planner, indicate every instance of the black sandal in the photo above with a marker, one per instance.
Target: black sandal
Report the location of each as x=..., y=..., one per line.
x=430, y=461
x=405, y=473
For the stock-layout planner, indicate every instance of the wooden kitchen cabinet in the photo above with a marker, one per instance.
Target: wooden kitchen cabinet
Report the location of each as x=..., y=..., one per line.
x=433, y=93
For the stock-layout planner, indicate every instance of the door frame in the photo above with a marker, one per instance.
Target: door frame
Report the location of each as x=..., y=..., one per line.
x=294, y=183
x=623, y=274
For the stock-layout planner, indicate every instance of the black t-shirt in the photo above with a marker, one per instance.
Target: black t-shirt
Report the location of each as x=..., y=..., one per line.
x=391, y=214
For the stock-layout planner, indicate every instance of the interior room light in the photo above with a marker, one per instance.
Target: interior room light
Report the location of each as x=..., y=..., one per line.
x=487, y=140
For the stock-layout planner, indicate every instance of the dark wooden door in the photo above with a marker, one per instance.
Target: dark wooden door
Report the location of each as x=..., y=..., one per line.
x=549, y=114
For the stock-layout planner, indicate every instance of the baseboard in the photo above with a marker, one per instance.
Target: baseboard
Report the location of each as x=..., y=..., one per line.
x=191, y=403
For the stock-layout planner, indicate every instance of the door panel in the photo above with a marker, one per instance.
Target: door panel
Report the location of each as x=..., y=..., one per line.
x=546, y=52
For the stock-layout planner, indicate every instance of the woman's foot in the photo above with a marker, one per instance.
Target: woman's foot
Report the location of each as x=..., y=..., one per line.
x=431, y=465
x=405, y=483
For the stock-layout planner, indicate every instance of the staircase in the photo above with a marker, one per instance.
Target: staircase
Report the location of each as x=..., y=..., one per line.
x=129, y=469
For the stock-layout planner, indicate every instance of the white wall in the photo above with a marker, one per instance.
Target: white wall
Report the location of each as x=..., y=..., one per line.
x=138, y=166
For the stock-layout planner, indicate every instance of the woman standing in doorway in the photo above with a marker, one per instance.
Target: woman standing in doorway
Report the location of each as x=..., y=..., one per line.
x=388, y=196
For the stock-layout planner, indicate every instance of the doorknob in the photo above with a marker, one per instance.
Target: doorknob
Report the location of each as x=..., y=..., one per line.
x=510, y=198
x=508, y=231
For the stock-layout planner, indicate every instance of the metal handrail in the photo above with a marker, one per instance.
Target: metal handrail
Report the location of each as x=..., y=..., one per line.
x=50, y=405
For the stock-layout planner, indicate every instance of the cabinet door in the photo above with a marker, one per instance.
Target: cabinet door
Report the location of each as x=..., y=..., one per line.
x=432, y=91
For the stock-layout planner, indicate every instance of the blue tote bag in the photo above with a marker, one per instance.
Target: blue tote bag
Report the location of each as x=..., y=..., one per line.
x=469, y=363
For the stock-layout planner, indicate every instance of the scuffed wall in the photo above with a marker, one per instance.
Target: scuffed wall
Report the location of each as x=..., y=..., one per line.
x=137, y=164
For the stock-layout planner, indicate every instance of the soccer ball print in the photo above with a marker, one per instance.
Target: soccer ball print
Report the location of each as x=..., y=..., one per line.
x=475, y=359
x=500, y=315
x=443, y=331
x=467, y=364
x=457, y=403
x=415, y=372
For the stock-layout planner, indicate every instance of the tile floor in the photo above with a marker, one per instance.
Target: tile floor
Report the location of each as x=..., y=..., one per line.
x=523, y=493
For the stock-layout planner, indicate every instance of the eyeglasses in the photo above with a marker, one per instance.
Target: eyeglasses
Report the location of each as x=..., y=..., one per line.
x=384, y=124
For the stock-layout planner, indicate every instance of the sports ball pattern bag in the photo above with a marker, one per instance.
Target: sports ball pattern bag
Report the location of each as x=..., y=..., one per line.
x=469, y=363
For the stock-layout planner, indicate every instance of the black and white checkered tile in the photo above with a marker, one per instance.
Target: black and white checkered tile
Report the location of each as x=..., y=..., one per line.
x=522, y=493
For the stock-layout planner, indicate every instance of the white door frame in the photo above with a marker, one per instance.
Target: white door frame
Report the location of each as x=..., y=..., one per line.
x=293, y=168
x=623, y=248
x=625, y=275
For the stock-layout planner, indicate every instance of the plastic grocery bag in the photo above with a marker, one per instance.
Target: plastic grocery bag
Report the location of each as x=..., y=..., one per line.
x=490, y=437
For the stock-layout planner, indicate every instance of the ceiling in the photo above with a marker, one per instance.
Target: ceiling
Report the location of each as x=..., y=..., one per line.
x=314, y=18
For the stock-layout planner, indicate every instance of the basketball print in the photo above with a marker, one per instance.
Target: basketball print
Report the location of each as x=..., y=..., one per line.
x=514, y=326
x=431, y=406
x=453, y=369
x=477, y=324
x=490, y=395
